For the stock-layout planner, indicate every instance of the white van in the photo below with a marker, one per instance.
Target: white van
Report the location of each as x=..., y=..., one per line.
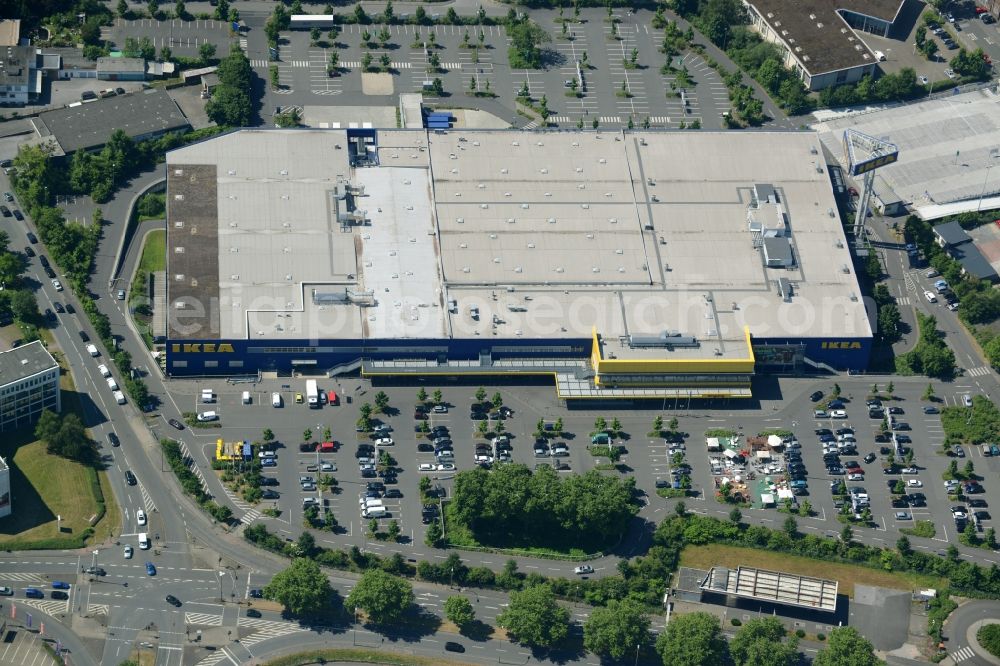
x=276, y=400
x=92, y=350
x=103, y=369
x=207, y=416
x=369, y=502
x=207, y=396
x=879, y=56
x=378, y=512
x=246, y=397
x=143, y=541
x=112, y=384
x=119, y=397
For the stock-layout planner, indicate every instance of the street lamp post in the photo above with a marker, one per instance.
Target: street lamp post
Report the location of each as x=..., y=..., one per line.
x=221, y=574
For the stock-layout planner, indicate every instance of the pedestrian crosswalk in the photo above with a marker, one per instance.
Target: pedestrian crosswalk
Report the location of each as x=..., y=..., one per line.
x=25, y=577
x=283, y=91
x=213, y=658
x=963, y=654
x=979, y=372
x=903, y=300
x=259, y=62
x=266, y=629
x=206, y=619
x=250, y=516
x=659, y=119
x=559, y=119
x=327, y=92
x=531, y=125
x=610, y=119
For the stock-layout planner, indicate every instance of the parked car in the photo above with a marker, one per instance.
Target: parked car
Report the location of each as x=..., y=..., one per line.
x=583, y=569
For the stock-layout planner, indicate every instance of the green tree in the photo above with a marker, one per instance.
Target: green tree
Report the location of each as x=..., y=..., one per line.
x=459, y=610
x=385, y=62
x=180, y=11
x=759, y=643
x=929, y=392
x=692, y=639
x=122, y=9
x=791, y=526
x=306, y=544
x=846, y=646
x=480, y=394
x=366, y=61
x=526, y=39
x=384, y=597
x=617, y=629
x=534, y=618
x=154, y=8
x=422, y=395
x=735, y=515
x=90, y=32
x=381, y=401
x=657, y=425
x=846, y=534
x=434, y=534
x=393, y=530
x=267, y=435
x=302, y=588
x=438, y=396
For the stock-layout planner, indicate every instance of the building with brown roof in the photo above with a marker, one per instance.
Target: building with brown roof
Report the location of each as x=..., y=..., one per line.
x=820, y=37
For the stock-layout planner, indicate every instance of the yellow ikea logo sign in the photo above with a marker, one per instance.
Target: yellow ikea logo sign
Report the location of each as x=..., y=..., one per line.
x=207, y=347
x=840, y=345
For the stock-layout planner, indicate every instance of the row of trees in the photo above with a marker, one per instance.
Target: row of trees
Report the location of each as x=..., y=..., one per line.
x=510, y=506
x=888, y=314
x=230, y=104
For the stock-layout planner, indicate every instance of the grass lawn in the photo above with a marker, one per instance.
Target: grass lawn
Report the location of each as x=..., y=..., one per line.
x=154, y=252
x=705, y=557
x=44, y=486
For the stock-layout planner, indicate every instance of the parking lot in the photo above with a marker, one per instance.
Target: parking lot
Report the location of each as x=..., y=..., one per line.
x=612, y=91
x=645, y=458
x=182, y=37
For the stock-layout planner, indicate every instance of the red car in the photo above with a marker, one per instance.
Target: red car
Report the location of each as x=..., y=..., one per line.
x=981, y=10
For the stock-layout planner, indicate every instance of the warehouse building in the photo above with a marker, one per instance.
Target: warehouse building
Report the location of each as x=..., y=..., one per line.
x=625, y=265
x=29, y=383
x=821, y=40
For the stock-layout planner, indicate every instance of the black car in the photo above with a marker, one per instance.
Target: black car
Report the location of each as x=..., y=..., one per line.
x=253, y=612
x=113, y=438
x=816, y=396
x=268, y=481
x=916, y=501
x=59, y=307
x=257, y=593
x=425, y=446
x=84, y=336
x=32, y=238
x=895, y=410
x=870, y=458
x=904, y=439
x=827, y=438
x=374, y=485
x=899, y=502
x=931, y=409
x=49, y=272
x=70, y=309
x=389, y=476
x=439, y=429
x=59, y=594
x=130, y=478
x=28, y=251
x=307, y=447
x=5, y=211
x=368, y=474
x=393, y=492
x=43, y=260
x=177, y=424
x=981, y=515
x=173, y=601
x=452, y=646
x=119, y=91
x=95, y=571
x=976, y=503
x=267, y=493
x=49, y=314
x=845, y=431
x=892, y=469
x=18, y=215
x=835, y=470
x=823, y=431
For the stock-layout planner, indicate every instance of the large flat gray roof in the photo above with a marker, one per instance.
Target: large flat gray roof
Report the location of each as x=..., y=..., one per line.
x=510, y=234
x=945, y=146
x=89, y=125
x=24, y=361
x=773, y=586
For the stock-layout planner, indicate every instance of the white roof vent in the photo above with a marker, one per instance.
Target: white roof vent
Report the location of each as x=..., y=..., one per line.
x=460, y=220
x=531, y=246
x=178, y=250
x=284, y=172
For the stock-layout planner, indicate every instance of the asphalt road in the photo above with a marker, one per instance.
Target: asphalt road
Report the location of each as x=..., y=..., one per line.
x=960, y=632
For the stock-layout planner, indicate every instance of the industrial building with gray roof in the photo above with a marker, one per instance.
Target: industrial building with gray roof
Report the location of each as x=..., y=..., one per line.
x=507, y=249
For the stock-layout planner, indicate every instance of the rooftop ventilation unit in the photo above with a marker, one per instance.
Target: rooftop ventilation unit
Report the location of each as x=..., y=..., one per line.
x=665, y=340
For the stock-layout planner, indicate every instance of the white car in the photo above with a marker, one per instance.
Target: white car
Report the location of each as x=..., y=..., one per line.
x=911, y=470
x=914, y=483
x=583, y=569
x=128, y=552
x=57, y=285
x=950, y=73
x=446, y=467
x=855, y=477
x=140, y=517
x=327, y=467
x=427, y=467
x=838, y=414
x=103, y=369
x=931, y=298
x=384, y=441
